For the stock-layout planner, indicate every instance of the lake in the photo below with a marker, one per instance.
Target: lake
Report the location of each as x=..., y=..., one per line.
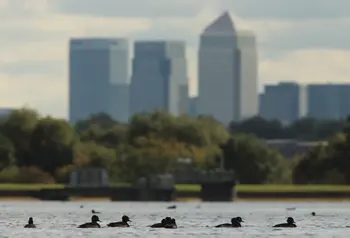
x=195, y=219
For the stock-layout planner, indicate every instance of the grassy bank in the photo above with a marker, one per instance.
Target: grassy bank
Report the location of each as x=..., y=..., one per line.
x=196, y=188
x=15, y=186
x=274, y=188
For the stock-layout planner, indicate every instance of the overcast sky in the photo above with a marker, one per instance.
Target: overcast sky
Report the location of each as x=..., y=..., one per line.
x=298, y=40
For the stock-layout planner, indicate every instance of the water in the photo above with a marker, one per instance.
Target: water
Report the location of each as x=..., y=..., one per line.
x=60, y=219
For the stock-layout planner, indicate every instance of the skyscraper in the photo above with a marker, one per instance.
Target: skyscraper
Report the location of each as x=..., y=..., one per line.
x=159, y=77
x=285, y=102
x=227, y=84
x=248, y=75
x=98, y=78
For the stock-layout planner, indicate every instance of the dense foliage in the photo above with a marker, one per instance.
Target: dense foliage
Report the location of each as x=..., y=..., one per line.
x=44, y=149
x=306, y=129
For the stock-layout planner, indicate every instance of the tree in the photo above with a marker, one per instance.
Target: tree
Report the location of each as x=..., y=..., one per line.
x=102, y=120
x=252, y=161
x=52, y=144
x=90, y=154
x=7, y=152
x=18, y=127
x=259, y=127
x=325, y=164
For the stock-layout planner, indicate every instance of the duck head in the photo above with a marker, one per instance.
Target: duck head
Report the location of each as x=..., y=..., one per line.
x=95, y=218
x=125, y=219
x=290, y=220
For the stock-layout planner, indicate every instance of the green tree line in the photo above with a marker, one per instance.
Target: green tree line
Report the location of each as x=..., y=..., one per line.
x=307, y=129
x=37, y=149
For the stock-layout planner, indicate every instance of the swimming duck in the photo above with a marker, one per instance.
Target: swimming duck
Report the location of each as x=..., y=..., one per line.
x=159, y=225
x=172, y=207
x=30, y=223
x=94, y=212
x=92, y=224
x=235, y=222
x=290, y=223
x=171, y=224
x=313, y=214
x=123, y=223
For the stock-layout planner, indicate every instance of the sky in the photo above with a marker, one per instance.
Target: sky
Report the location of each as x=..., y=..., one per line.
x=298, y=40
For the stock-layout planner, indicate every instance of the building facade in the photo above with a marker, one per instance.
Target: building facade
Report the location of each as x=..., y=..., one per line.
x=285, y=102
x=159, y=77
x=328, y=101
x=98, y=78
x=227, y=72
x=248, y=75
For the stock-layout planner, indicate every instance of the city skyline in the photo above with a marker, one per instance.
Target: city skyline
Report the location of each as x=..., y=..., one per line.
x=292, y=46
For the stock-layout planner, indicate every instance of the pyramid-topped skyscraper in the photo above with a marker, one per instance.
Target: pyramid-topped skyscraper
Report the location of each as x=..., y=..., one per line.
x=221, y=25
x=226, y=89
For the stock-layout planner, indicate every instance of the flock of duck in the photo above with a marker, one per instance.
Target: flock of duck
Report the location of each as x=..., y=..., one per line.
x=168, y=222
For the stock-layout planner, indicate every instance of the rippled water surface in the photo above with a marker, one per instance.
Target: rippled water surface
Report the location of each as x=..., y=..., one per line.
x=59, y=219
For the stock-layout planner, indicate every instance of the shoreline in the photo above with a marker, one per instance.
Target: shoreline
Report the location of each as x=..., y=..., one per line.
x=189, y=199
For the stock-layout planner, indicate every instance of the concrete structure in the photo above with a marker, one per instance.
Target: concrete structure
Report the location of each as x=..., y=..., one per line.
x=285, y=102
x=224, y=63
x=328, y=101
x=98, y=78
x=159, y=77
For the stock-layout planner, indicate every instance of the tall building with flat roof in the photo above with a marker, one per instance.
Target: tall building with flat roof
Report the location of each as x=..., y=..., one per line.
x=285, y=102
x=248, y=75
x=159, y=77
x=227, y=72
x=98, y=78
x=328, y=101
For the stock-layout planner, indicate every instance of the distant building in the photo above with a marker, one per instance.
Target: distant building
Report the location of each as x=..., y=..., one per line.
x=248, y=70
x=193, y=107
x=227, y=68
x=98, y=78
x=328, y=101
x=6, y=111
x=159, y=77
x=285, y=102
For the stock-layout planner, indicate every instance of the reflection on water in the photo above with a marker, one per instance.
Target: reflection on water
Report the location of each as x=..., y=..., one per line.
x=60, y=219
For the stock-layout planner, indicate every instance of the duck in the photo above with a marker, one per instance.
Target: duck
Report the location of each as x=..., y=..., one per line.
x=30, y=223
x=290, y=223
x=123, y=223
x=94, y=212
x=159, y=225
x=92, y=224
x=235, y=222
x=313, y=214
x=171, y=224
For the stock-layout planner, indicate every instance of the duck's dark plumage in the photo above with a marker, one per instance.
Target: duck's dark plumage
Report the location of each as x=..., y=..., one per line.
x=123, y=223
x=93, y=224
x=30, y=223
x=159, y=225
x=235, y=222
x=290, y=223
x=171, y=224
x=224, y=225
